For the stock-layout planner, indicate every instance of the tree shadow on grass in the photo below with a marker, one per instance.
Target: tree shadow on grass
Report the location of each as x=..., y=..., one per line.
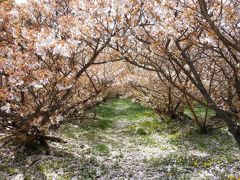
x=185, y=165
x=215, y=142
x=209, y=156
x=60, y=164
x=186, y=134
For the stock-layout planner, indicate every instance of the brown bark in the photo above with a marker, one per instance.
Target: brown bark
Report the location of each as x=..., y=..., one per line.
x=233, y=127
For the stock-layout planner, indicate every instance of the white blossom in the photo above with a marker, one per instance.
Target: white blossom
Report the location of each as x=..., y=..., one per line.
x=6, y=108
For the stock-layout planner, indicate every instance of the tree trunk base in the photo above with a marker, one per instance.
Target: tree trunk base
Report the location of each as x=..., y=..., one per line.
x=235, y=131
x=37, y=145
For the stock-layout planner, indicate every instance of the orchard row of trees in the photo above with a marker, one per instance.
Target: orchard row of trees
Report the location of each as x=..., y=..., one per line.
x=58, y=58
x=53, y=64
x=193, y=48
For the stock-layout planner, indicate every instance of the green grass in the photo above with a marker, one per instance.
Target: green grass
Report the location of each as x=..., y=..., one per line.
x=102, y=148
x=200, y=112
x=123, y=108
x=145, y=127
x=108, y=113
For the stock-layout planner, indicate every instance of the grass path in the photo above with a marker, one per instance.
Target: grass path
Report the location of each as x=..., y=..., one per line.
x=128, y=141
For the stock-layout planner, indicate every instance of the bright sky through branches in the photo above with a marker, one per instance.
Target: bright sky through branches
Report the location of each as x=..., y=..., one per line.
x=20, y=1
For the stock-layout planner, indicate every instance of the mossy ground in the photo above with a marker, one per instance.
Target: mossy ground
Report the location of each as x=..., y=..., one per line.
x=129, y=141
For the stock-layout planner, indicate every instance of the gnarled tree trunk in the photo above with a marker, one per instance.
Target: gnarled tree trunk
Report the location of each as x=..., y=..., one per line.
x=233, y=127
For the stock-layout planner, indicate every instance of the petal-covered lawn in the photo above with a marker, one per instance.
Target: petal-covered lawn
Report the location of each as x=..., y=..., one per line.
x=129, y=141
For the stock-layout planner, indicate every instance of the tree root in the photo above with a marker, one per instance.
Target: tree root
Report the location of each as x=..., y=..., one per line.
x=54, y=139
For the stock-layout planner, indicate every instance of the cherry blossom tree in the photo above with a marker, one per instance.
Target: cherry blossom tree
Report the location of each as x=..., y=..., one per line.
x=198, y=42
x=156, y=93
x=48, y=50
